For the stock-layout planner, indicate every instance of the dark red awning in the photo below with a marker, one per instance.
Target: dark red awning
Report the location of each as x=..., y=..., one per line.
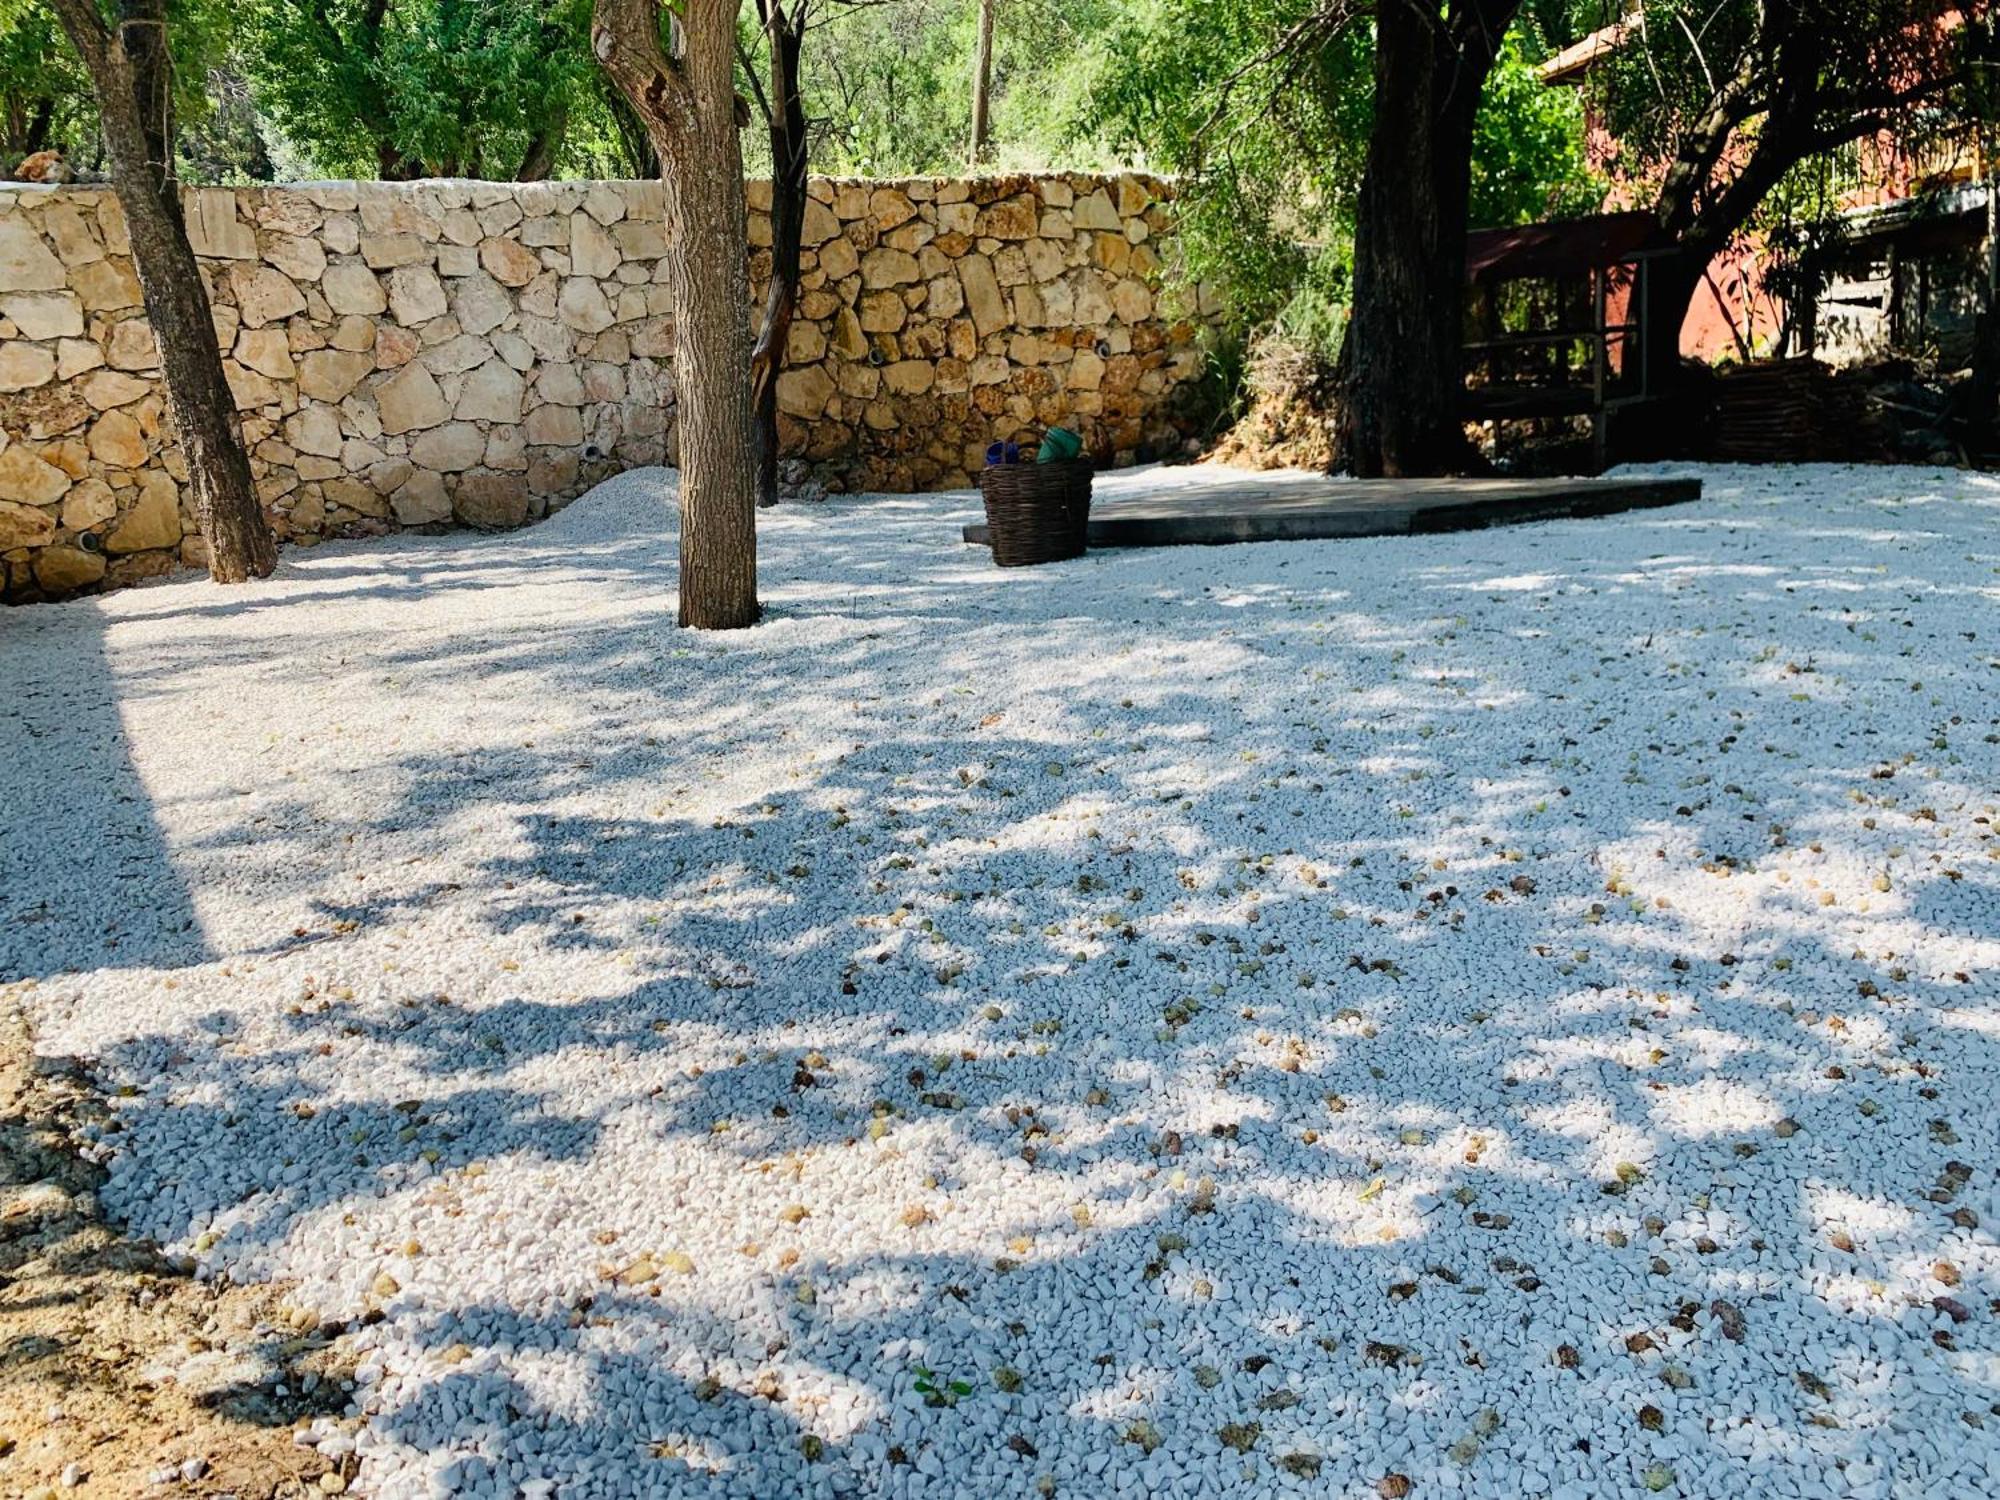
x=1563, y=247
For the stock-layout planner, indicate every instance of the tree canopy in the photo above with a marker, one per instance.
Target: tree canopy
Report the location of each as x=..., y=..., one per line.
x=431, y=88
x=1722, y=115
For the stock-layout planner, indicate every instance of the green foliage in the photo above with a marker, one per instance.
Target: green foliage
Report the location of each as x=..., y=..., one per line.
x=889, y=86
x=43, y=94
x=1271, y=145
x=401, y=88
x=1528, y=158
x=1272, y=141
x=41, y=77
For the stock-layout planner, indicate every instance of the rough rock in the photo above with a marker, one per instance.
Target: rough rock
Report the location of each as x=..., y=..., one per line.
x=154, y=520
x=409, y=400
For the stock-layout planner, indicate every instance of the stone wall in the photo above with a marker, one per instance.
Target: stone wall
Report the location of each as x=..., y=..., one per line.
x=423, y=354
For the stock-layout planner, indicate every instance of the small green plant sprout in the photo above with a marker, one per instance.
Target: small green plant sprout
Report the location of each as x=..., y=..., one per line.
x=938, y=1392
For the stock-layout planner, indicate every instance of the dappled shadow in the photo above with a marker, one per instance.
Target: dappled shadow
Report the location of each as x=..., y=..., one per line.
x=1349, y=989
x=86, y=881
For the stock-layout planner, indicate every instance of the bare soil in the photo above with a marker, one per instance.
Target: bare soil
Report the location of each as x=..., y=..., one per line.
x=1291, y=414
x=116, y=1365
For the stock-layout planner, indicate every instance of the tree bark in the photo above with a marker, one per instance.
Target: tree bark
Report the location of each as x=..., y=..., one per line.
x=1983, y=389
x=1403, y=359
x=131, y=78
x=688, y=103
x=538, y=162
x=785, y=108
x=982, y=84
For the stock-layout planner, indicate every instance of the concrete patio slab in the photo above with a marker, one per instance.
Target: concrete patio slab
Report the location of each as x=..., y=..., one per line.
x=1206, y=506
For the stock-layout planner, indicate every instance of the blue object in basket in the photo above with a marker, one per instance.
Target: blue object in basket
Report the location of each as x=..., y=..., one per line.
x=1003, y=453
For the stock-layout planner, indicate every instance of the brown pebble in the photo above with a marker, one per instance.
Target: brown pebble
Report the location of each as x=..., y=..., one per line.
x=1730, y=1317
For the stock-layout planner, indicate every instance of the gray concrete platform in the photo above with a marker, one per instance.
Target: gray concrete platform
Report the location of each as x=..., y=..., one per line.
x=1204, y=505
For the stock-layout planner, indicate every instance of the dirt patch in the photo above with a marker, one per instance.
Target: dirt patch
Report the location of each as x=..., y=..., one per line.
x=120, y=1374
x=1292, y=413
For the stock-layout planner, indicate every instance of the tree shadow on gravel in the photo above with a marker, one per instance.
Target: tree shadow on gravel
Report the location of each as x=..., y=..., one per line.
x=1199, y=1041
x=86, y=879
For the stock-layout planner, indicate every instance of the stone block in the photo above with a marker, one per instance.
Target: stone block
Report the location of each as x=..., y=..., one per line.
x=153, y=521
x=480, y=303
x=888, y=268
x=493, y=502
x=64, y=570
x=882, y=312
x=509, y=262
x=107, y=286
x=804, y=393
x=88, y=504
x=592, y=251
x=26, y=479
x=299, y=258
x=350, y=288
x=26, y=262
x=492, y=393
x=25, y=526
x=266, y=350
x=44, y=315
x=118, y=441
x=70, y=230
x=554, y=426
x=329, y=374
x=264, y=295
x=450, y=448
x=385, y=252
x=421, y=500
x=25, y=366
x=410, y=400
x=416, y=295
x=582, y=306
x=984, y=300
x=314, y=430
x=1097, y=211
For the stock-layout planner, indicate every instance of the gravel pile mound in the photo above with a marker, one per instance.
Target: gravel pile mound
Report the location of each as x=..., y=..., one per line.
x=1510, y=1014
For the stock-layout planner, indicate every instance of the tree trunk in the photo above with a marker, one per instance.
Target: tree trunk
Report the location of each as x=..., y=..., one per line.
x=130, y=76
x=789, y=150
x=1982, y=408
x=36, y=136
x=1403, y=360
x=982, y=84
x=689, y=106
x=538, y=162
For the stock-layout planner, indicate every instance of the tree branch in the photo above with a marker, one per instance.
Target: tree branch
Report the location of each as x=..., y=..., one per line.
x=86, y=30
x=625, y=36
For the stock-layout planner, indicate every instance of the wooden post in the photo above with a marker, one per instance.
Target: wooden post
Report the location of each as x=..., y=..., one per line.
x=1600, y=357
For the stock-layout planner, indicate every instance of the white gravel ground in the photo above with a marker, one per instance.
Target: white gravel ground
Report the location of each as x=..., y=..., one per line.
x=1514, y=1011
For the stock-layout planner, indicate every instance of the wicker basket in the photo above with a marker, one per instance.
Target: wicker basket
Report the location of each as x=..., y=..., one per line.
x=1037, y=513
